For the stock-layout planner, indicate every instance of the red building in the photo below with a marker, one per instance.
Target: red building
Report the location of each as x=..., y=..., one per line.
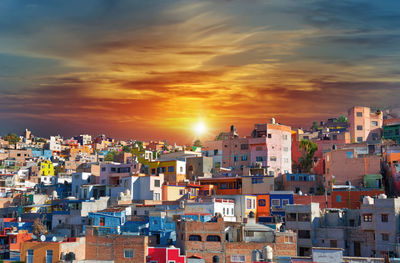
x=352, y=199
x=164, y=254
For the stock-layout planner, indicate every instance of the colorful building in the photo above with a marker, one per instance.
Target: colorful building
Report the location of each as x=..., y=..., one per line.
x=365, y=125
x=164, y=254
x=391, y=129
x=352, y=198
x=46, y=168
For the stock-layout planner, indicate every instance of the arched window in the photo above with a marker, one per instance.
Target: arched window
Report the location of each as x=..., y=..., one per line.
x=213, y=238
x=194, y=238
x=215, y=259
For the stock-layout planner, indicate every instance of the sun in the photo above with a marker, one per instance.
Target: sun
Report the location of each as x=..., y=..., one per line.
x=200, y=128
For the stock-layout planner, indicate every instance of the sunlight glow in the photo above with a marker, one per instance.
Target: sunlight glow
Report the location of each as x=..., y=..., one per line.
x=200, y=128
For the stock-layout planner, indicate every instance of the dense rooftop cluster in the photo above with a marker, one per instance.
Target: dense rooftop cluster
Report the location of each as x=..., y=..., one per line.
x=278, y=194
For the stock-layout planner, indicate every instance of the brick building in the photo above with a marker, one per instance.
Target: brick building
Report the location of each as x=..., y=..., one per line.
x=225, y=242
x=119, y=248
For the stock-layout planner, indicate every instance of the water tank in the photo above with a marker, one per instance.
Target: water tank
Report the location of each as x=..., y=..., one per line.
x=367, y=200
x=268, y=253
x=382, y=196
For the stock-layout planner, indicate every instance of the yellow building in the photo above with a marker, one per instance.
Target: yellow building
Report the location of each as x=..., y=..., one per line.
x=46, y=168
x=173, y=192
x=174, y=170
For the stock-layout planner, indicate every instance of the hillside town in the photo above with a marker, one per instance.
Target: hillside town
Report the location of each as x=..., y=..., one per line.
x=327, y=193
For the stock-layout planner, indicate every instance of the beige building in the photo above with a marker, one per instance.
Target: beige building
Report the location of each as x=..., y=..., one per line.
x=365, y=125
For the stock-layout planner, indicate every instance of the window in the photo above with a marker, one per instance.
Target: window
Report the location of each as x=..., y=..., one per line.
x=157, y=196
x=238, y=258
x=305, y=234
x=102, y=221
x=244, y=158
x=29, y=256
x=215, y=259
x=223, y=211
x=271, y=173
x=156, y=183
x=367, y=217
x=275, y=202
x=288, y=239
x=244, y=146
x=304, y=217
x=272, y=158
x=261, y=202
x=171, y=169
x=285, y=202
x=128, y=253
x=285, y=149
x=284, y=137
x=269, y=135
x=338, y=198
x=254, y=203
x=385, y=218
x=291, y=217
x=194, y=238
x=333, y=243
x=113, y=169
x=359, y=139
x=260, y=158
x=385, y=237
x=235, y=158
x=359, y=114
x=257, y=180
x=153, y=171
x=248, y=203
x=103, y=169
x=182, y=191
x=181, y=169
x=359, y=127
x=49, y=256
x=213, y=238
x=374, y=123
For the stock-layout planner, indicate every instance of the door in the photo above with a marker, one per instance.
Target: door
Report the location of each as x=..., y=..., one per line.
x=357, y=249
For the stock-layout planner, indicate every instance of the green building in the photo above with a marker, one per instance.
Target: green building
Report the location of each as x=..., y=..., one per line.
x=392, y=131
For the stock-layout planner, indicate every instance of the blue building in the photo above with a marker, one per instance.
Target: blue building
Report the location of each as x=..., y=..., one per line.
x=111, y=219
x=163, y=228
x=278, y=200
x=46, y=154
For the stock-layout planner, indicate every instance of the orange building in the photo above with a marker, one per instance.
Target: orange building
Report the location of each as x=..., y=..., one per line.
x=224, y=185
x=263, y=206
x=352, y=199
x=37, y=251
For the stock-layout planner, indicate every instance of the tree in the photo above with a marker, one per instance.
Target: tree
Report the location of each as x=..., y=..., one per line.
x=308, y=149
x=12, y=138
x=342, y=118
x=314, y=126
x=197, y=143
x=126, y=149
x=219, y=137
x=110, y=156
x=39, y=228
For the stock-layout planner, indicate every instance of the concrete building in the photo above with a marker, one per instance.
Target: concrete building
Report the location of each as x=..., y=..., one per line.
x=365, y=125
x=198, y=167
x=303, y=219
x=213, y=149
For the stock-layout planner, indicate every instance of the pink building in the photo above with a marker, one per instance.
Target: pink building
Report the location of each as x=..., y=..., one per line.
x=364, y=125
x=346, y=165
x=269, y=146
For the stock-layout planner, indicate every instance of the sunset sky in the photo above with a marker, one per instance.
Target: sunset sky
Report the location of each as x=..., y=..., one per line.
x=154, y=69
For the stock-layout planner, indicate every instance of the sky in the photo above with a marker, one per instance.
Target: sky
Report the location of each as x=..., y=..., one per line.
x=155, y=69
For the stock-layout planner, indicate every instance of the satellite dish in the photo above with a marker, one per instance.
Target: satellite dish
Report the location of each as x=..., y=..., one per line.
x=42, y=238
x=54, y=239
